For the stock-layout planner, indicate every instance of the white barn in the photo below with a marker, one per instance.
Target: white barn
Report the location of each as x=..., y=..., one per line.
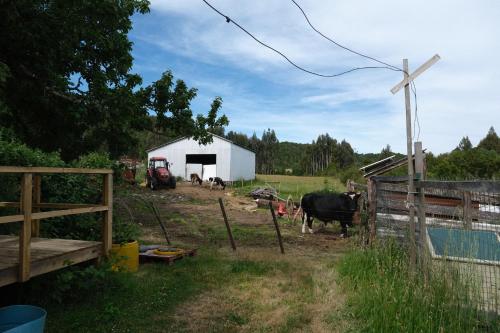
x=221, y=158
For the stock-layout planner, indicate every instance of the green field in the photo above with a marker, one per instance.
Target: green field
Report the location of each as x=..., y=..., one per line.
x=296, y=186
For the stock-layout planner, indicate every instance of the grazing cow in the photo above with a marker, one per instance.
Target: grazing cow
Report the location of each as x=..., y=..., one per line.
x=328, y=207
x=217, y=181
x=195, y=178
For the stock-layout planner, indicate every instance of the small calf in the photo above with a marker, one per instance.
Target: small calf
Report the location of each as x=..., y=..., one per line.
x=217, y=181
x=195, y=178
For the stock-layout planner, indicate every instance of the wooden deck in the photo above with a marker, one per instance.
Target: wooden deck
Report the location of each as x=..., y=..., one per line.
x=46, y=255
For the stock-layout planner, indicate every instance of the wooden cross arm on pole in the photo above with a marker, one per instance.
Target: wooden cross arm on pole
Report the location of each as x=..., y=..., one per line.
x=416, y=73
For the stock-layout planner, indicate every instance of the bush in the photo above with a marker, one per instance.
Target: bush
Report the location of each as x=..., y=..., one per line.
x=67, y=188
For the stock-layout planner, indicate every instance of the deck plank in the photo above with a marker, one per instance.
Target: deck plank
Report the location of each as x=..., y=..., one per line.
x=46, y=255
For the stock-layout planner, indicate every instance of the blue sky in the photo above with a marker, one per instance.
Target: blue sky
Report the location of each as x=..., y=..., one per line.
x=458, y=96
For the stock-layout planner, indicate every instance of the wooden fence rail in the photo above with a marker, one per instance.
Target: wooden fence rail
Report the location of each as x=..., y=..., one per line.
x=30, y=206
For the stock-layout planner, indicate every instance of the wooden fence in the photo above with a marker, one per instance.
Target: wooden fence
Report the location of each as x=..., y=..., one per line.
x=456, y=221
x=30, y=206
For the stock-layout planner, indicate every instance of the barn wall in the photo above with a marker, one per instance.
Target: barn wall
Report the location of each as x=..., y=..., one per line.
x=176, y=154
x=242, y=163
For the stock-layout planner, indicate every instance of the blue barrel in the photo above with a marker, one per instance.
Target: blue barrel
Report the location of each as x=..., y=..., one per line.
x=22, y=319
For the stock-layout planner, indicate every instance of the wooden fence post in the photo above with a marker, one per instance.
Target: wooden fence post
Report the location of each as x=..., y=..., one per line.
x=276, y=225
x=107, y=220
x=420, y=176
x=228, y=227
x=25, y=233
x=372, y=209
x=37, y=196
x=467, y=210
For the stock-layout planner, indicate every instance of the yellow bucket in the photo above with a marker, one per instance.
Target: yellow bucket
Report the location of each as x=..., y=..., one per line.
x=127, y=256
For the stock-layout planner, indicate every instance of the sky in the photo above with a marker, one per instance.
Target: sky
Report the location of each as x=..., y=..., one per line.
x=458, y=96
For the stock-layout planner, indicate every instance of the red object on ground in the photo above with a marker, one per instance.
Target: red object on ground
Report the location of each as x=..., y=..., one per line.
x=282, y=209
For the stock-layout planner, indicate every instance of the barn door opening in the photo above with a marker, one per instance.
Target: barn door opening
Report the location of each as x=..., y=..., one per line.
x=204, y=164
x=193, y=168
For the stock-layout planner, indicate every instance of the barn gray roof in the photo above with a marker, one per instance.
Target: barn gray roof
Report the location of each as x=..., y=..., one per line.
x=187, y=137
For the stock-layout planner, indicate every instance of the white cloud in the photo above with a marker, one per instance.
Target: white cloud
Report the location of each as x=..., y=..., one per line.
x=458, y=96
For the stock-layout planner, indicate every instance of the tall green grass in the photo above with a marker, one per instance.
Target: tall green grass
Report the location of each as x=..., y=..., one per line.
x=385, y=296
x=295, y=186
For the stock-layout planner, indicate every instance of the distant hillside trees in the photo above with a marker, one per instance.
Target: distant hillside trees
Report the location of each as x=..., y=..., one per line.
x=326, y=152
x=490, y=141
x=464, y=144
x=468, y=162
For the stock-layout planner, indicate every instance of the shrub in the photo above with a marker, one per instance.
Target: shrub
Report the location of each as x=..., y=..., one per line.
x=67, y=188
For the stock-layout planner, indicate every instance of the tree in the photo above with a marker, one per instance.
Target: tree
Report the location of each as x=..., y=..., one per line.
x=386, y=152
x=490, y=141
x=268, y=151
x=171, y=103
x=464, y=144
x=65, y=80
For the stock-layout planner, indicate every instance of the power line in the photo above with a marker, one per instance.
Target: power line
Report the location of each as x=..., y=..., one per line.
x=229, y=20
x=340, y=45
x=386, y=65
x=416, y=122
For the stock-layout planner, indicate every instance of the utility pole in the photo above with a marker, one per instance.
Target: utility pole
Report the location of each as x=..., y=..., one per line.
x=407, y=79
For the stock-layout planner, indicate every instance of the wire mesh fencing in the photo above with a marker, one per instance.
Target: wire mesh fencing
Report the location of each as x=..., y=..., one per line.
x=455, y=233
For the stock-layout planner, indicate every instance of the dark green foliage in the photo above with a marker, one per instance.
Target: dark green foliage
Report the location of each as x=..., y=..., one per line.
x=66, y=83
x=386, y=152
x=124, y=231
x=59, y=188
x=290, y=155
x=491, y=141
x=267, y=153
x=476, y=163
x=326, y=153
x=464, y=144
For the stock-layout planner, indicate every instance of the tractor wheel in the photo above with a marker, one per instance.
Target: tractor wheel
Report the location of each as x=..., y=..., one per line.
x=172, y=182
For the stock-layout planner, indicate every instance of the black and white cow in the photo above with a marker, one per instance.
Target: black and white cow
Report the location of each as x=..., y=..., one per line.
x=328, y=207
x=217, y=181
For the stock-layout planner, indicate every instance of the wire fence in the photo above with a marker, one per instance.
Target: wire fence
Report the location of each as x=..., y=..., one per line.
x=456, y=232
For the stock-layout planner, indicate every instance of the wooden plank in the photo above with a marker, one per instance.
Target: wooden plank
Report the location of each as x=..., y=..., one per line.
x=467, y=210
x=482, y=186
x=48, y=205
x=46, y=255
x=65, y=212
x=15, y=169
x=8, y=275
x=390, y=179
x=415, y=74
x=372, y=209
x=25, y=233
x=11, y=218
x=37, y=195
x=66, y=259
x=107, y=219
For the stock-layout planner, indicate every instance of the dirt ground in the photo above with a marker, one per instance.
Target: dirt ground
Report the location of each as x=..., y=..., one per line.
x=303, y=297
x=199, y=204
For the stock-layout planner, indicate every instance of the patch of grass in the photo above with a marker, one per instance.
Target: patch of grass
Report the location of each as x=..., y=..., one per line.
x=296, y=186
x=384, y=296
x=145, y=301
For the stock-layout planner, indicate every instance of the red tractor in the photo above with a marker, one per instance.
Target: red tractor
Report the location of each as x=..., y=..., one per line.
x=158, y=174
